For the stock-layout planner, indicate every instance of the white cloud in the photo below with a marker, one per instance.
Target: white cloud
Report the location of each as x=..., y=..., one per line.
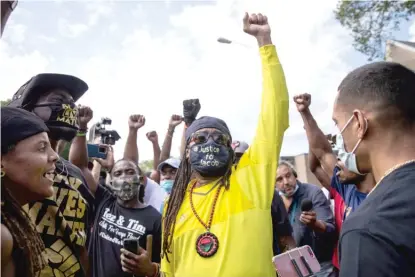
x=71, y=30
x=152, y=75
x=17, y=33
x=19, y=68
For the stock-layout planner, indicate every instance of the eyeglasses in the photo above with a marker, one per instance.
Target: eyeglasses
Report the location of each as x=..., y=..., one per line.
x=202, y=137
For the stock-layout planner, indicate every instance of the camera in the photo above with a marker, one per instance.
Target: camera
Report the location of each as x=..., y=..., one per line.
x=109, y=137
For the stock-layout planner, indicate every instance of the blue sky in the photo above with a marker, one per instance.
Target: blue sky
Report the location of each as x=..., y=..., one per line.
x=146, y=57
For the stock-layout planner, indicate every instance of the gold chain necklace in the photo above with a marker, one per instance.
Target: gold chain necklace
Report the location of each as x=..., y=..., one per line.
x=389, y=171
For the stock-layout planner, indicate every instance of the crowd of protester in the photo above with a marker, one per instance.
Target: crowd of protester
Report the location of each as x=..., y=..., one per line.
x=223, y=208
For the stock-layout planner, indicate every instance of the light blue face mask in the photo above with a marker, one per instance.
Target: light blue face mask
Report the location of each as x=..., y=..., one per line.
x=289, y=195
x=167, y=185
x=348, y=158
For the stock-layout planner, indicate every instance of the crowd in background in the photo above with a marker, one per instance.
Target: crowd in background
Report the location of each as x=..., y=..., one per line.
x=223, y=208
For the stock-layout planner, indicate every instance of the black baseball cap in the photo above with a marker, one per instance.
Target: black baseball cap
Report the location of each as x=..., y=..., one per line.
x=29, y=93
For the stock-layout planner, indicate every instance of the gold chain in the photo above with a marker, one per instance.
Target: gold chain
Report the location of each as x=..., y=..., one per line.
x=389, y=171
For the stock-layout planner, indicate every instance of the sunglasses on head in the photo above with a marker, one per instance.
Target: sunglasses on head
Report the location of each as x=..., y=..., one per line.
x=203, y=136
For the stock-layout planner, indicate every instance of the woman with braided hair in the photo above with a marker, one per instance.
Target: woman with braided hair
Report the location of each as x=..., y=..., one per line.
x=27, y=166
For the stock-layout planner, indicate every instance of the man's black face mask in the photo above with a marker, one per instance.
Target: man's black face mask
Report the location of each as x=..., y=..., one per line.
x=63, y=120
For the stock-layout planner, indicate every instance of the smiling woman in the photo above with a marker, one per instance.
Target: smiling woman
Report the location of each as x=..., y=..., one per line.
x=27, y=172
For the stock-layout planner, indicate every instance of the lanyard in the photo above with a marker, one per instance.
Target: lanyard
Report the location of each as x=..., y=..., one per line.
x=293, y=210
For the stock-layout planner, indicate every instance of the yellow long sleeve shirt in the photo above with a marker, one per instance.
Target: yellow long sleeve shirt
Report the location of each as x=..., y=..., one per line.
x=242, y=220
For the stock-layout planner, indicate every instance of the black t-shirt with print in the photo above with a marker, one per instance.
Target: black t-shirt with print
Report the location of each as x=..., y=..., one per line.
x=64, y=221
x=378, y=239
x=113, y=223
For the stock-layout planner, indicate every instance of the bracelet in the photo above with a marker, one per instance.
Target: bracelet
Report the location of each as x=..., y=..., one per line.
x=80, y=134
x=85, y=130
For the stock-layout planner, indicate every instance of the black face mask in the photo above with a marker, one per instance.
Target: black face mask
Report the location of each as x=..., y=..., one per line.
x=210, y=159
x=63, y=121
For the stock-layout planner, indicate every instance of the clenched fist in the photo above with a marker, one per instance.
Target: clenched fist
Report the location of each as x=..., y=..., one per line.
x=152, y=136
x=136, y=121
x=257, y=25
x=175, y=120
x=302, y=102
x=191, y=108
x=85, y=114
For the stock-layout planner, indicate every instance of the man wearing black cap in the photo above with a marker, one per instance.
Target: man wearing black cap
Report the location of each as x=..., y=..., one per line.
x=218, y=223
x=62, y=220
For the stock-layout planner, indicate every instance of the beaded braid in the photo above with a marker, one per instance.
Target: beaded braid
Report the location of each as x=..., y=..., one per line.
x=24, y=233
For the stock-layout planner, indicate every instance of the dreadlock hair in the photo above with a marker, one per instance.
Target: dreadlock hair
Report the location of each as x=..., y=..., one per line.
x=25, y=236
x=141, y=191
x=176, y=197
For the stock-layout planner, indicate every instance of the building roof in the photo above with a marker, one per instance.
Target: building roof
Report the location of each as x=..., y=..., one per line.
x=402, y=52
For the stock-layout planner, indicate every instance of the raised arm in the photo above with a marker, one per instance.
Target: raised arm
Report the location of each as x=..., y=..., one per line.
x=315, y=167
x=154, y=139
x=191, y=108
x=78, y=153
x=317, y=141
x=263, y=154
x=135, y=122
x=175, y=121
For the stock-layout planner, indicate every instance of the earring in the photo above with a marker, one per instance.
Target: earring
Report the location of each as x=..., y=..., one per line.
x=2, y=174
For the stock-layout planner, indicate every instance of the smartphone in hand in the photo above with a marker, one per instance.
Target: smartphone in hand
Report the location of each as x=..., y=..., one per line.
x=131, y=245
x=96, y=151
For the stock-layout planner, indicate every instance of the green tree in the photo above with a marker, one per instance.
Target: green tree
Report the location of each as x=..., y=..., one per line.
x=5, y=102
x=372, y=22
x=146, y=165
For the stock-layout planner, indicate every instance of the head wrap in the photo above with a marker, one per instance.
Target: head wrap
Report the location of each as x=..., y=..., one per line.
x=17, y=125
x=207, y=122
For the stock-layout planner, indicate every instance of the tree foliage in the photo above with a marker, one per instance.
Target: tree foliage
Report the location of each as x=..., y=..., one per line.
x=5, y=102
x=372, y=22
x=146, y=165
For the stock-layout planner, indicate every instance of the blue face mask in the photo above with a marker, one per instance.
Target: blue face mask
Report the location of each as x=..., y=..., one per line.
x=167, y=185
x=281, y=193
x=348, y=158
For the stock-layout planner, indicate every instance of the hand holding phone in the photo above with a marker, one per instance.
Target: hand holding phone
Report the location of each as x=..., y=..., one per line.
x=97, y=151
x=131, y=245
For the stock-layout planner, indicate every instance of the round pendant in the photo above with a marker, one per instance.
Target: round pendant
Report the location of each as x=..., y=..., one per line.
x=207, y=244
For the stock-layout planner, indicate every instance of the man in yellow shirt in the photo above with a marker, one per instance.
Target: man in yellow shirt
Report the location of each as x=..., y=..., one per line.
x=219, y=223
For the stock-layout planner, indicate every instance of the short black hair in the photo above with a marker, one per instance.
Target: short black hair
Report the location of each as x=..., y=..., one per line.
x=384, y=87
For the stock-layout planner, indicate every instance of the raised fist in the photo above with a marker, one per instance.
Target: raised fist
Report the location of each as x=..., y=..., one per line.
x=152, y=136
x=175, y=120
x=85, y=115
x=136, y=121
x=191, y=108
x=256, y=25
x=302, y=101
